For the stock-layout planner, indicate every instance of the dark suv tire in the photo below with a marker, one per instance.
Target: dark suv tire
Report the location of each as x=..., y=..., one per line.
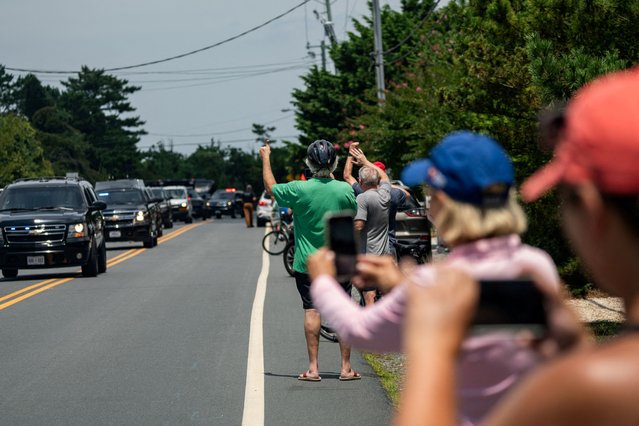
x=90, y=269
x=9, y=273
x=102, y=259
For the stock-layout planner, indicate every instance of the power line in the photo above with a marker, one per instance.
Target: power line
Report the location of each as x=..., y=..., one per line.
x=221, y=142
x=192, y=52
x=415, y=29
x=213, y=134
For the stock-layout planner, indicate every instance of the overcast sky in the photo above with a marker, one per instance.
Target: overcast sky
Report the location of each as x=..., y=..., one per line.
x=217, y=93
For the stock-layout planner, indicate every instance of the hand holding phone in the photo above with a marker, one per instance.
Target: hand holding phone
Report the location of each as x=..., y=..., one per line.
x=341, y=239
x=515, y=304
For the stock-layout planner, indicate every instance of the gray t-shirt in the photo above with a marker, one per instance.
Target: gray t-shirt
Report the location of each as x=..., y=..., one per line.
x=372, y=207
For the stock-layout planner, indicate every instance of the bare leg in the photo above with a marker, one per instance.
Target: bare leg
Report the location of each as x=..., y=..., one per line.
x=369, y=297
x=312, y=322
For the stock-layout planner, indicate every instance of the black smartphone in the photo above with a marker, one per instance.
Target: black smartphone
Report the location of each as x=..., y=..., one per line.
x=516, y=304
x=342, y=239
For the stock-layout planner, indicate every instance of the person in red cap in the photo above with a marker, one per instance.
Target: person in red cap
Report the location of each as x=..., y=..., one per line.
x=595, y=170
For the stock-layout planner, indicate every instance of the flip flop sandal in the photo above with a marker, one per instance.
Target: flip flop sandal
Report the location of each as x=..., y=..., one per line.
x=355, y=376
x=305, y=377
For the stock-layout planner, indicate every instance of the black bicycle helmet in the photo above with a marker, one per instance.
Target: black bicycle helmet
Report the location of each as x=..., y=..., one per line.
x=321, y=153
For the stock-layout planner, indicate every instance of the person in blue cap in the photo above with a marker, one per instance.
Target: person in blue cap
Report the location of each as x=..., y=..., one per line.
x=474, y=206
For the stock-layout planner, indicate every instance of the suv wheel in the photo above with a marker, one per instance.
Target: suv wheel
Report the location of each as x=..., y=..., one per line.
x=90, y=269
x=189, y=219
x=102, y=259
x=148, y=242
x=9, y=273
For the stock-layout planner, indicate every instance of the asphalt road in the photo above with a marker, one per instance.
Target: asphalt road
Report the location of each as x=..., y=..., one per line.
x=162, y=338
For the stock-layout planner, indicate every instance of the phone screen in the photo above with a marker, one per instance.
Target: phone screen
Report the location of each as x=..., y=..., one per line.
x=510, y=304
x=342, y=240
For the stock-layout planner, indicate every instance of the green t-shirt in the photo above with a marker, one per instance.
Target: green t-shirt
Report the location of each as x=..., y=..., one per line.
x=310, y=201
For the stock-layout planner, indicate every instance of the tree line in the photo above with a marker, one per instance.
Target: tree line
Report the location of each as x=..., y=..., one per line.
x=489, y=66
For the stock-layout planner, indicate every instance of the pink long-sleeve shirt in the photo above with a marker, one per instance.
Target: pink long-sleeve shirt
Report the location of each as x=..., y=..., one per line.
x=488, y=365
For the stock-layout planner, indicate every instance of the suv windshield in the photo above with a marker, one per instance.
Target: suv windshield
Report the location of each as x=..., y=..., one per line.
x=223, y=195
x=176, y=193
x=157, y=192
x=121, y=196
x=41, y=197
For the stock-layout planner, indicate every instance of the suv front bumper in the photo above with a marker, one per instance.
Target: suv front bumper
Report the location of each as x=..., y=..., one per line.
x=128, y=232
x=30, y=257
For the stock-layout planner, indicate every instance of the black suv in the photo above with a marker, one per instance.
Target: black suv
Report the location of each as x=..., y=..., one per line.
x=132, y=213
x=51, y=222
x=227, y=202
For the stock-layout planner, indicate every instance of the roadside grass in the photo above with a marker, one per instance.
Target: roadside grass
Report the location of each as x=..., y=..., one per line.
x=390, y=367
x=390, y=370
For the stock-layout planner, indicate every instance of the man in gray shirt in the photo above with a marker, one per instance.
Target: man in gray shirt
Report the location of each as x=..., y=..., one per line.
x=372, y=210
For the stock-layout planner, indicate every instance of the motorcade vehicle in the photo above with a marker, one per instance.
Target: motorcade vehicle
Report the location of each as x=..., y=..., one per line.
x=166, y=212
x=227, y=202
x=132, y=213
x=413, y=228
x=51, y=222
x=264, y=209
x=198, y=204
x=180, y=203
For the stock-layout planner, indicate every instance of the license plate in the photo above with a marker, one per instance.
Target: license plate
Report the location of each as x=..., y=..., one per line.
x=115, y=234
x=35, y=260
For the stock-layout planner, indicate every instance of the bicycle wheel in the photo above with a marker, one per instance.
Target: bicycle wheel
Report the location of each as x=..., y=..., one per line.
x=328, y=333
x=275, y=242
x=289, y=254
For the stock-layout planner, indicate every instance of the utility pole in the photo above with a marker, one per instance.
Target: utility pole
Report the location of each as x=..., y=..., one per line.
x=379, y=50
x=322, y=46
x=328, y=25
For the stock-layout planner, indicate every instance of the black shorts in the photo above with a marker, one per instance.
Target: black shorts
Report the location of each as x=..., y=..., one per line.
x=303, y=282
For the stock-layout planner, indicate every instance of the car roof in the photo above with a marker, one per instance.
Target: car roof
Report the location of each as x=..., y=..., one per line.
x=55, y=181
x=120, y=183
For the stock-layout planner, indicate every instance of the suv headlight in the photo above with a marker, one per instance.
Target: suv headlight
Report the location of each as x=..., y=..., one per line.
x=229, y=203
x=140, y=216
x=183, y=205
x=77, y=231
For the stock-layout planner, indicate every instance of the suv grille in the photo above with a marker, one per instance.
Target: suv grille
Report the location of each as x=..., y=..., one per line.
x=35, y=234
x=118, y=217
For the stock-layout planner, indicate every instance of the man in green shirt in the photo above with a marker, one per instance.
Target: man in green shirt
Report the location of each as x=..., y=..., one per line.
x=310, y=201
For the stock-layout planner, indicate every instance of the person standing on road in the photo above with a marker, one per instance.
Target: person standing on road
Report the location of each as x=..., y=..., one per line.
x=311, y=200
x=398, y=196
x=249, y=201
x=372, y=211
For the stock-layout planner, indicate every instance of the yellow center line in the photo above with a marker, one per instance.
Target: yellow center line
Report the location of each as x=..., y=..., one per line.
x=33, y=293
x=126, y=253
x=9, y=296
x=54, y=282
x=133, y=254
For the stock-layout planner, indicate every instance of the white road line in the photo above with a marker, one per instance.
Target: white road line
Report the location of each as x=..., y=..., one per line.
x=253, y=414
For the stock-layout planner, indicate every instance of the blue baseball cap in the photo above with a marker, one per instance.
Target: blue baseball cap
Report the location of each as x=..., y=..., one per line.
x=468, y=167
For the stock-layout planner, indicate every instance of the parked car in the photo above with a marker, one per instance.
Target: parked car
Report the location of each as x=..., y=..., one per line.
x=132, y=214
x=49, y=223
x=264, y=209
x=412, y=225
x=227, y=202
x=198, y=204
x=166, y=212
x=180, y=203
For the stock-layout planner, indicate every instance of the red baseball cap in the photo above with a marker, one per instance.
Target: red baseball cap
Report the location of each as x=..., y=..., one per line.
x=599, y=142
x=380, y=165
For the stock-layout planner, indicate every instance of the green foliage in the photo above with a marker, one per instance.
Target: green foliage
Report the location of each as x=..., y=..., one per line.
x=21, y=153
x=99, y=108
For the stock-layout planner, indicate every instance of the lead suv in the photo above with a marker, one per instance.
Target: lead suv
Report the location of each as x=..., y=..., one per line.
x=51, y=222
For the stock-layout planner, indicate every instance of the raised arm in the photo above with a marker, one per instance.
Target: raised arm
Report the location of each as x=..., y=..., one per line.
x=361, y=160
x=348, y=171
x=267, y=172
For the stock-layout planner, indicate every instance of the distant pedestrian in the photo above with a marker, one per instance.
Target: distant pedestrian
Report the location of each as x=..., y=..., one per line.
x=249, y=202
x=311, y=200
x=398, y=197
x=373, y=205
